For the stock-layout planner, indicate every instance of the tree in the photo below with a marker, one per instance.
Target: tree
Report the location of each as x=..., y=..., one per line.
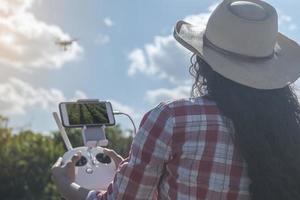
x=25, y=164
x=118, y=141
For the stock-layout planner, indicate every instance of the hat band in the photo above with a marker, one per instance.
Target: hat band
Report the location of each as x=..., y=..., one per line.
x=207, y=42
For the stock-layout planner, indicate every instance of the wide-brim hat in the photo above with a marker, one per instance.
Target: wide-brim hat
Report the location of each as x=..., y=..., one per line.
x=242, y=43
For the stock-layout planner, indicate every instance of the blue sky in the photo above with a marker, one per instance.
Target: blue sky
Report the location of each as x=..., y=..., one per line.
x=125, y=54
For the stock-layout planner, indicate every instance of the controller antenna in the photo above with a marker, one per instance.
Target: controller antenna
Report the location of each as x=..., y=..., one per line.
x=62, y=131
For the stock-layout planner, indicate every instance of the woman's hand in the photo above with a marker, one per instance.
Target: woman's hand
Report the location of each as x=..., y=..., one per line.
x=64, y=176
x=64, y=173
x=113, y=155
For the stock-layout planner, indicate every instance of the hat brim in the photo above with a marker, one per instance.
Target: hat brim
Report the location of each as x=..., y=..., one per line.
x=275, y=72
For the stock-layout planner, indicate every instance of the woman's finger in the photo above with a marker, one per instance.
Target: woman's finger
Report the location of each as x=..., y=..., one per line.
x=76, y=157
x=73, y=160
x=112, y=154
x=70, y=167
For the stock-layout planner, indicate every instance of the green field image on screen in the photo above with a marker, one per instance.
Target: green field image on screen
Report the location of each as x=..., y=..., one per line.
x=87, y=114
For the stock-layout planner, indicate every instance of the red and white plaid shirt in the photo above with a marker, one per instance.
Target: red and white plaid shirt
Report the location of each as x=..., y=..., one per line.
x=183, y=150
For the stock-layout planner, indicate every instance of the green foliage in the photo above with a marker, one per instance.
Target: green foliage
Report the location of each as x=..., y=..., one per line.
x=26, y=159
x=117, y=141
x=25, y=162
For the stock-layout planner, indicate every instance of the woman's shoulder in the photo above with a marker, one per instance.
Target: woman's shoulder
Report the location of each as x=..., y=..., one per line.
x=192, y=101
x=185, y=111
x=188, y=106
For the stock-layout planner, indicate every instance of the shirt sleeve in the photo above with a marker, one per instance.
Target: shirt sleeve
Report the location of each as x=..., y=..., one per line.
x=138, y=176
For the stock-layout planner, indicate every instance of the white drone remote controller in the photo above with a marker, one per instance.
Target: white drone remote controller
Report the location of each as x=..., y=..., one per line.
x=94, y=170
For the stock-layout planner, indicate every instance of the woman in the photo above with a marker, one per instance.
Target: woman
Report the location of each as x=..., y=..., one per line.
x=239, y=140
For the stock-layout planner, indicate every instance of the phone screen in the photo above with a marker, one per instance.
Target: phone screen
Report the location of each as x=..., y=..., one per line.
x=87, y=113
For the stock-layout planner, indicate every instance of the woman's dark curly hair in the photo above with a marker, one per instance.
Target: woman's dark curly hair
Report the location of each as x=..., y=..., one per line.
x=267, y=128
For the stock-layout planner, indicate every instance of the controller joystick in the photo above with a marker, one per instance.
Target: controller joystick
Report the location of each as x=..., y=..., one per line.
x=81, y=162
x=102, y=158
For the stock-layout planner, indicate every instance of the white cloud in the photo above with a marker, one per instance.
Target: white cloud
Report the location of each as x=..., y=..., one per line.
x=136, y=115
x=164, y=94
x=10, y=7
x=79, y=95
x=164, y=57
x=138, y=63
x=118, y=106
x=28, y=43
x=200, y=20
x=108, y=22
x=102, y=39
x=286, y=21
x=17, y=97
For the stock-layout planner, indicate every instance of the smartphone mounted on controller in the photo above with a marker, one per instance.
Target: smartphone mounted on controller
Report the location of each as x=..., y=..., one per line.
x=92, y=116
x=86, y=113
